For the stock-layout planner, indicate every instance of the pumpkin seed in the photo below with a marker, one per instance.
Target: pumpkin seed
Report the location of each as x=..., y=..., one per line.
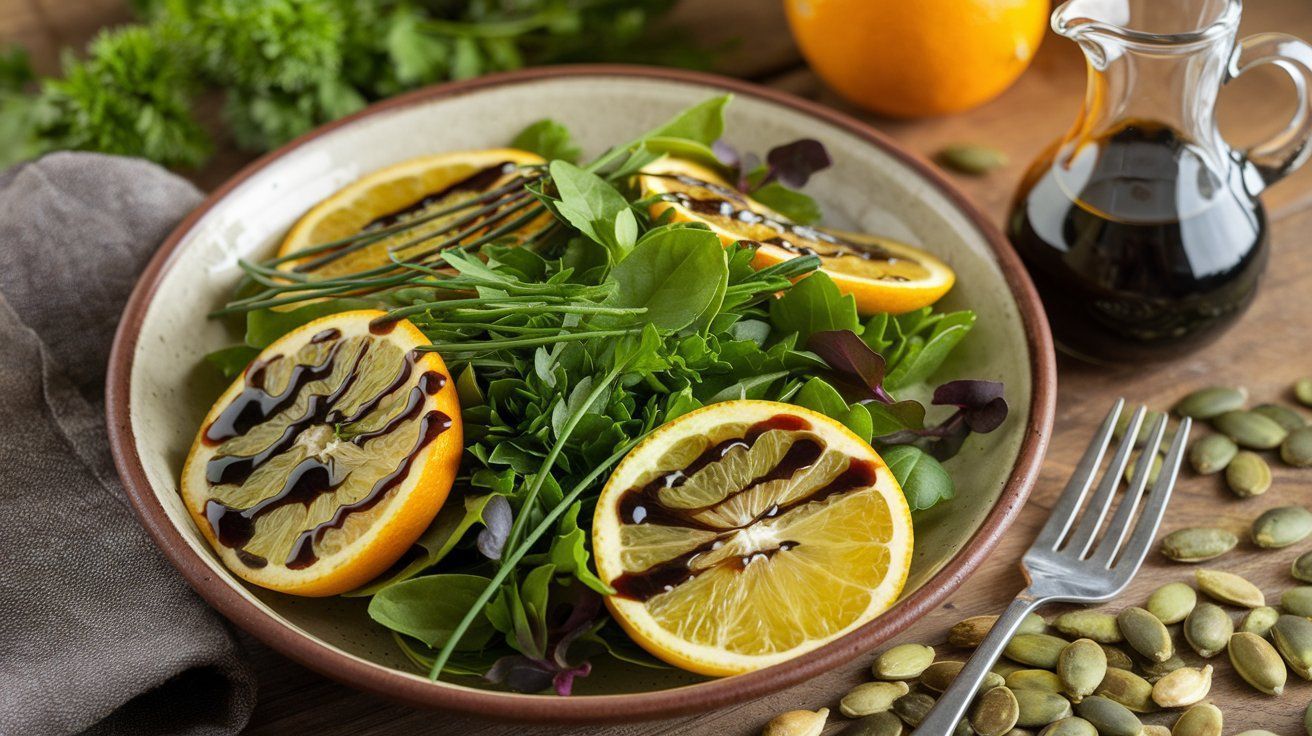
x=797, y=723
x=1038, y=708
x=1301, y=569
x=1035, y=650
x=1184, y=687
x=996, y=712
x=1228, y=587
x=1154, y=671
x=1145, y=634
x=1258, y=662
x=1117, y=658
x=878, y=724
x=968, y=633
x=1208, y=629
x=1296, y=450
x=1096, y=625
x=1155, y=730
x=1081, y=667
x=1197, y=544
x=1281, y=527
x=903, y=662
x=1282, y=415
x=871, y=697
x=913, y=707
x=1019, y=732
x=1109, y=717
x=1307, y=712
x=1034, y=680
x=1154, y=470
x=1251, y=430
x=1128, y=689
x=1303, y=392
x=1172, y=602
x=1297, y=600
x=963, y=728
x=1212, y=453
x=1203, y=719
x=1248, y=475
x=1073, y=726
x=1005, y=667
x=939, y=675
x=971, y=158
x=1145, y=428
x=1259, y=620
x=1214, y=401
x=1293, y=639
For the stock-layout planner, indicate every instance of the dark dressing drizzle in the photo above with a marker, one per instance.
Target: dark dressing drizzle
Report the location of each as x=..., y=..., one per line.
x=729, y=204
x=476, y=182
x=641, y=505
x=302, y=553
x=312, y=477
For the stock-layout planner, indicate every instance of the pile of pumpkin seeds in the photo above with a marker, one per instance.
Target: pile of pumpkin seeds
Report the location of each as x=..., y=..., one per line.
x=1129, y=673
x=1243, y=433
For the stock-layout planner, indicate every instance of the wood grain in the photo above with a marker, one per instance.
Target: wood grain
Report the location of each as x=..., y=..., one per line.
x=1266, y=352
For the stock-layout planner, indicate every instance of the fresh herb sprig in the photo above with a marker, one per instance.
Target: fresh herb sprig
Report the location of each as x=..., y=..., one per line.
x=286, y=66
x=568, y=350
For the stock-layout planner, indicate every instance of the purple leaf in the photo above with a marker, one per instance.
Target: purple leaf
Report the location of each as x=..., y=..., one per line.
x=793, y=164
x=521, y=674
x=726, y=154
x=498, y=519
x=981, y=403
x=858, y=368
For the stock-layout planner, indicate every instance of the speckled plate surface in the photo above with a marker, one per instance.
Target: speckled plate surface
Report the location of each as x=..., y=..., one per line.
x=158, y=393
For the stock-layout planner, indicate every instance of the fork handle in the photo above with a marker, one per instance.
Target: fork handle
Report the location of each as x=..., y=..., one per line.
x=942, y=719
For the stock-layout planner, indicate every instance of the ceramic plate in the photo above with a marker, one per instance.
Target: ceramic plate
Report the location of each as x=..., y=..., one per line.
x=158, y=392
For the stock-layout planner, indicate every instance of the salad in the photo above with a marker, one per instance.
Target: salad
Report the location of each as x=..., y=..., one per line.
x=541, y=411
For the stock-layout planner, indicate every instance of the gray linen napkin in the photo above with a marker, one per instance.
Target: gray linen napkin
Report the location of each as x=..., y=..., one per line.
x=98, y=634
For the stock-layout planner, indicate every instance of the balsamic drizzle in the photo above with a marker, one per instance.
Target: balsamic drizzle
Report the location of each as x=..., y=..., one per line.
x=312, y=477
x=642, y=505
x=479, y=181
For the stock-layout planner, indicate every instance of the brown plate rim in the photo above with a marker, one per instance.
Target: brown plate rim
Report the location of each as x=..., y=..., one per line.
x=683, y=700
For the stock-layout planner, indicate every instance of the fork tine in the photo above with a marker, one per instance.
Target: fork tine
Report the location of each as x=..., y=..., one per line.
x=1131, y=555
x=1081, y=539
x=1119, y=527
x=1063, y=512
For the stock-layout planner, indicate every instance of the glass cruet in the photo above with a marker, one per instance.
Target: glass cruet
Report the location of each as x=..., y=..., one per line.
x=1141, y=227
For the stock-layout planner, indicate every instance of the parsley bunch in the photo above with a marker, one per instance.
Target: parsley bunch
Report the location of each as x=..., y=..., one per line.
x=575, y=346
x=286, y=66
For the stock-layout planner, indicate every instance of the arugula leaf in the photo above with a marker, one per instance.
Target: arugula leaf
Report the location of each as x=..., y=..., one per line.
x=263, y=326
x=794, y=205
x=675, y=273
x=703, y=122
x=232, y=360
x=814, y=305
x=548, y=139
x=435, y=544
x=921, y=359
x=594, y=207
x=819, y=396
x=430, y=608
x=924, y=481
x=569, y=552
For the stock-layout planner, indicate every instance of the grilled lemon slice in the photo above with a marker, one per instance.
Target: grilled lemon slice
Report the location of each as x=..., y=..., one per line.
x=748, y=532
x=881, y=274
x=321, y=465
x=407, y=191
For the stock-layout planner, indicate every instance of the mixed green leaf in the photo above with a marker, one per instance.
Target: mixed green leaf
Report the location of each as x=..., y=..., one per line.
x=576, y=345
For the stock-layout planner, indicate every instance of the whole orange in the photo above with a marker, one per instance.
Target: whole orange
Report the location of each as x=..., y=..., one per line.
x=913, y=58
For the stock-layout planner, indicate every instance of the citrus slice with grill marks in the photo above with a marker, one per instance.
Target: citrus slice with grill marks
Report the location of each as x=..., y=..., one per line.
x=747, y=532
x=882, y=275
x=321, y=465
x=404, y=192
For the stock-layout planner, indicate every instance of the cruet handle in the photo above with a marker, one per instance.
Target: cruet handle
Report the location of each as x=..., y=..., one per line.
x=1289, y=149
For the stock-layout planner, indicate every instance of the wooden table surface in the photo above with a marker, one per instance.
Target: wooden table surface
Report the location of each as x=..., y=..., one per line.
x=1266, y=352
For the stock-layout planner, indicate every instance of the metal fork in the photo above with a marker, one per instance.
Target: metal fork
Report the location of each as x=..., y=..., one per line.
x=1069, y=561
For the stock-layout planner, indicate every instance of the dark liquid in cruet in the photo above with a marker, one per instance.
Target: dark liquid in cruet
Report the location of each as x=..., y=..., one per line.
x=1153, y=256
